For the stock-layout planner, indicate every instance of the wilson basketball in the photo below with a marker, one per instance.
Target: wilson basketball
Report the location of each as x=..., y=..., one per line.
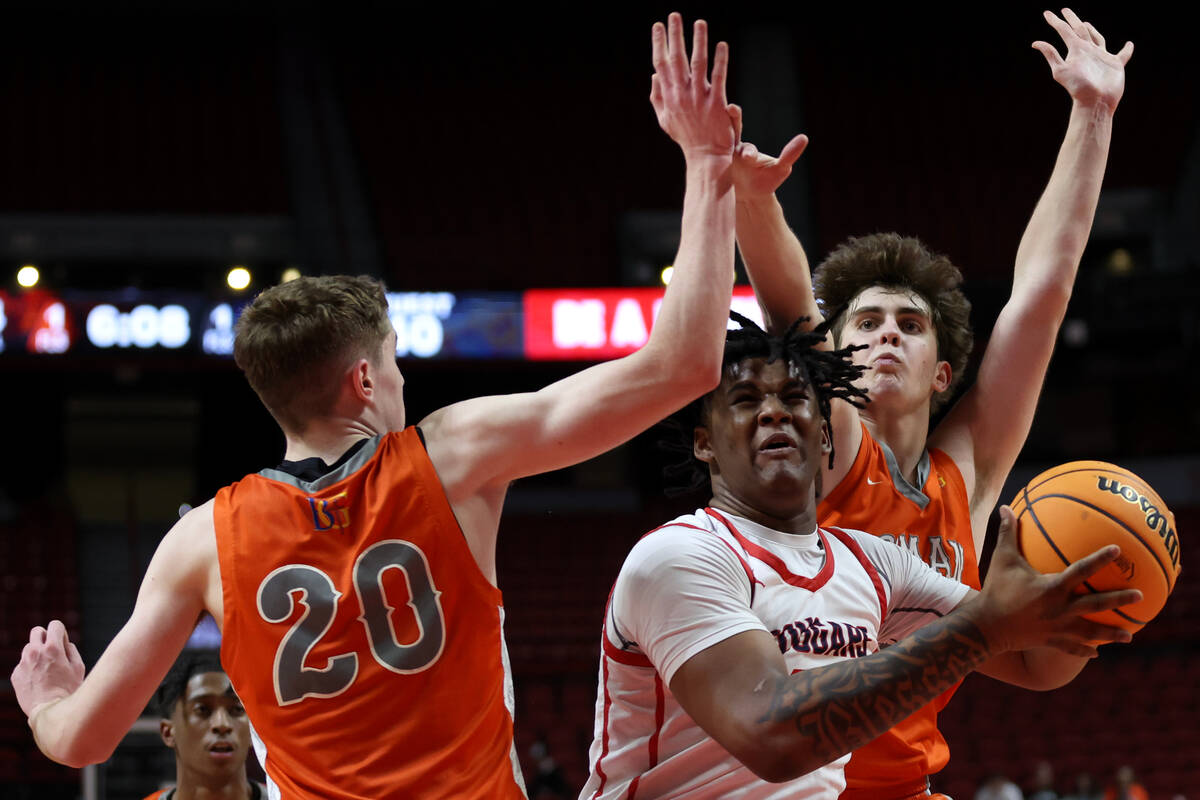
x=1075, y=509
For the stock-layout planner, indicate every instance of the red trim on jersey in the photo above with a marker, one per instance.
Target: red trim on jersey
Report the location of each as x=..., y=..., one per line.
x=660, y=714
x=854, y=547
x=604, y=737
x=745, y=566
x=774, y=562
x=624, y=656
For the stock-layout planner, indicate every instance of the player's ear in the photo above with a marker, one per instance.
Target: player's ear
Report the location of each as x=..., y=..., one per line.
x=166, y=729
x=941, y=376
x=361, y=380
x=826, y=439
x=702, y=444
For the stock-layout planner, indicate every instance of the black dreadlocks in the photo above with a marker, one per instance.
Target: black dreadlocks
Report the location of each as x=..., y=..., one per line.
x=830, y=373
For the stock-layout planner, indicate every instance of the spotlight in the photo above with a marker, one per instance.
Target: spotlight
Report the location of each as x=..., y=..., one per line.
x=238, y=278
x=289, y=274
x=28, y=276
x=666, y=274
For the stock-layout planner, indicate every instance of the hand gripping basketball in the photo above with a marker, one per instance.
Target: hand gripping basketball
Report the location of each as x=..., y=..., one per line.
x=1021, y=608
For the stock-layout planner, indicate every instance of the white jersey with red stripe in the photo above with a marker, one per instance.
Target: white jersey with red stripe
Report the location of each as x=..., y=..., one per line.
x=826, y=596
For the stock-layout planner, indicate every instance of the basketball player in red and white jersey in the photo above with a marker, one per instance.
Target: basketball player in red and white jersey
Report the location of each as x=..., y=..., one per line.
x=932, y=491
x=356, y=582
x=741, y=645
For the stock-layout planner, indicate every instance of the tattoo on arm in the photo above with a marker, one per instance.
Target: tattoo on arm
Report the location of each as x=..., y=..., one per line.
x=845, y=705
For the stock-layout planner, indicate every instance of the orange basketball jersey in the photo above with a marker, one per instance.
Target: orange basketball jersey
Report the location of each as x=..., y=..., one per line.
x=932, y=521
x=360, y=634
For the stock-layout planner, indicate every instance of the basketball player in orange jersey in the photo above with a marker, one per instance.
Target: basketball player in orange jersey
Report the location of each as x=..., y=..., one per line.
x=356, y=583
x=933, y=491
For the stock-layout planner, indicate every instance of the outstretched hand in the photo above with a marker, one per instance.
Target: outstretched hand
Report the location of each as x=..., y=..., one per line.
x=1090, y=73
x=50, y=668
x=1022, y=609
x=690, y=108
x=754, y=172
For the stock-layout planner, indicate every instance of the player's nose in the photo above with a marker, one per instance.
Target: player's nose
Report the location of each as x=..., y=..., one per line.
x=222, y=721
x=773, y=410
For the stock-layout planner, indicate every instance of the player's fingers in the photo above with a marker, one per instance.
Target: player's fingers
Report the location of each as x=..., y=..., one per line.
x=1105, y=601
x=1125, y=53
x=73, y=656
x=747, y=151
x=658, y=48
x=1006, y=536
x=1074, y=647
x=676, y=50
x=1064, y=30
x=1096, y=633
x=720, y=69
x=1050, y=52
x=656, y=91
x=735, y=116
x=792, y=150
x=1095, y=34
x=1076, y=23
x=699, y=63
x=1086, y=567
x=37, y=635
x=56, y=633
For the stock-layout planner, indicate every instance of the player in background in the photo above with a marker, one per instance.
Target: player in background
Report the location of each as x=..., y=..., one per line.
x=932, y=491
x=740, y=653
x=356, y=583
x=204, y=722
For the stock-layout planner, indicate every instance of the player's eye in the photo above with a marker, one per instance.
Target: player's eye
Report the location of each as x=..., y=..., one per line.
x=912, y=326
x=237, y=710
x=866, y=324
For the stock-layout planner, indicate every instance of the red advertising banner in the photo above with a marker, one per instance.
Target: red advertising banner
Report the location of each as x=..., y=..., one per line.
x=599, y=324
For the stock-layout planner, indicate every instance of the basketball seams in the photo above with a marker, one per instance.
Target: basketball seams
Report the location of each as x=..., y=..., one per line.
x=1033, y=515
x=1111, y=469
x=1118, y=521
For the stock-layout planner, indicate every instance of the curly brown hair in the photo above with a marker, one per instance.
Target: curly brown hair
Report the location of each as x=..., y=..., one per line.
x=892, y=261
x=294, y=338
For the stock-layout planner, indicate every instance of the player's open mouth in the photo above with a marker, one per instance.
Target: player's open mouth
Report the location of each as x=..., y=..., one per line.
x=222, y=750
x=777, y=443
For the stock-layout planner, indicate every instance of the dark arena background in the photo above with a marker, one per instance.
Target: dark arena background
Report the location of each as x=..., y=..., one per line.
x=467, y=156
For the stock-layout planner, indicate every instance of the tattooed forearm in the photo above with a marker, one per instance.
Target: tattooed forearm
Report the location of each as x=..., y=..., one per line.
x=845, y=705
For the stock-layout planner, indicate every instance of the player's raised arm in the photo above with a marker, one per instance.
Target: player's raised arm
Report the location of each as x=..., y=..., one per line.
x=490, y=441
x=784, y=725
x=773, y=255
x=986, y=430
x=78, y=721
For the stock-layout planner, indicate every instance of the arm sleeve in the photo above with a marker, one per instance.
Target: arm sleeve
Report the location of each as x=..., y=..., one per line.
x=917, y=593
x=680, y=591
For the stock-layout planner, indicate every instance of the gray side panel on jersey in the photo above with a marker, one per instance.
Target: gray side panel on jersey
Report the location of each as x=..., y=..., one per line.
x=355, y=463
x=510, y=703
x=901, y=483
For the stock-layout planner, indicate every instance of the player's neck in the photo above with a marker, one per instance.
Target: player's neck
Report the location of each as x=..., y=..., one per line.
x=327, y=439
x=905, y=434
x=798, y=521
x=225, y=790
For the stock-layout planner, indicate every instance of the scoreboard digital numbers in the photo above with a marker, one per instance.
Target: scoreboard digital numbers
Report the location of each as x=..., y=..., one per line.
x=540, y=324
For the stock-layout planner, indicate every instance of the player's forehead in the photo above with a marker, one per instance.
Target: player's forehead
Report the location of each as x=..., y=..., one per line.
x=760, y=371
x=888, y=300
x=208, y=686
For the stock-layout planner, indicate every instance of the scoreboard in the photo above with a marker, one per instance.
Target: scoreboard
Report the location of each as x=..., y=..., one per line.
x=540, y=324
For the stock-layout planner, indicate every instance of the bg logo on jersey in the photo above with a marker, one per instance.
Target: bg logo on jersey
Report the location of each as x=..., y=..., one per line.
x=333, y=512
